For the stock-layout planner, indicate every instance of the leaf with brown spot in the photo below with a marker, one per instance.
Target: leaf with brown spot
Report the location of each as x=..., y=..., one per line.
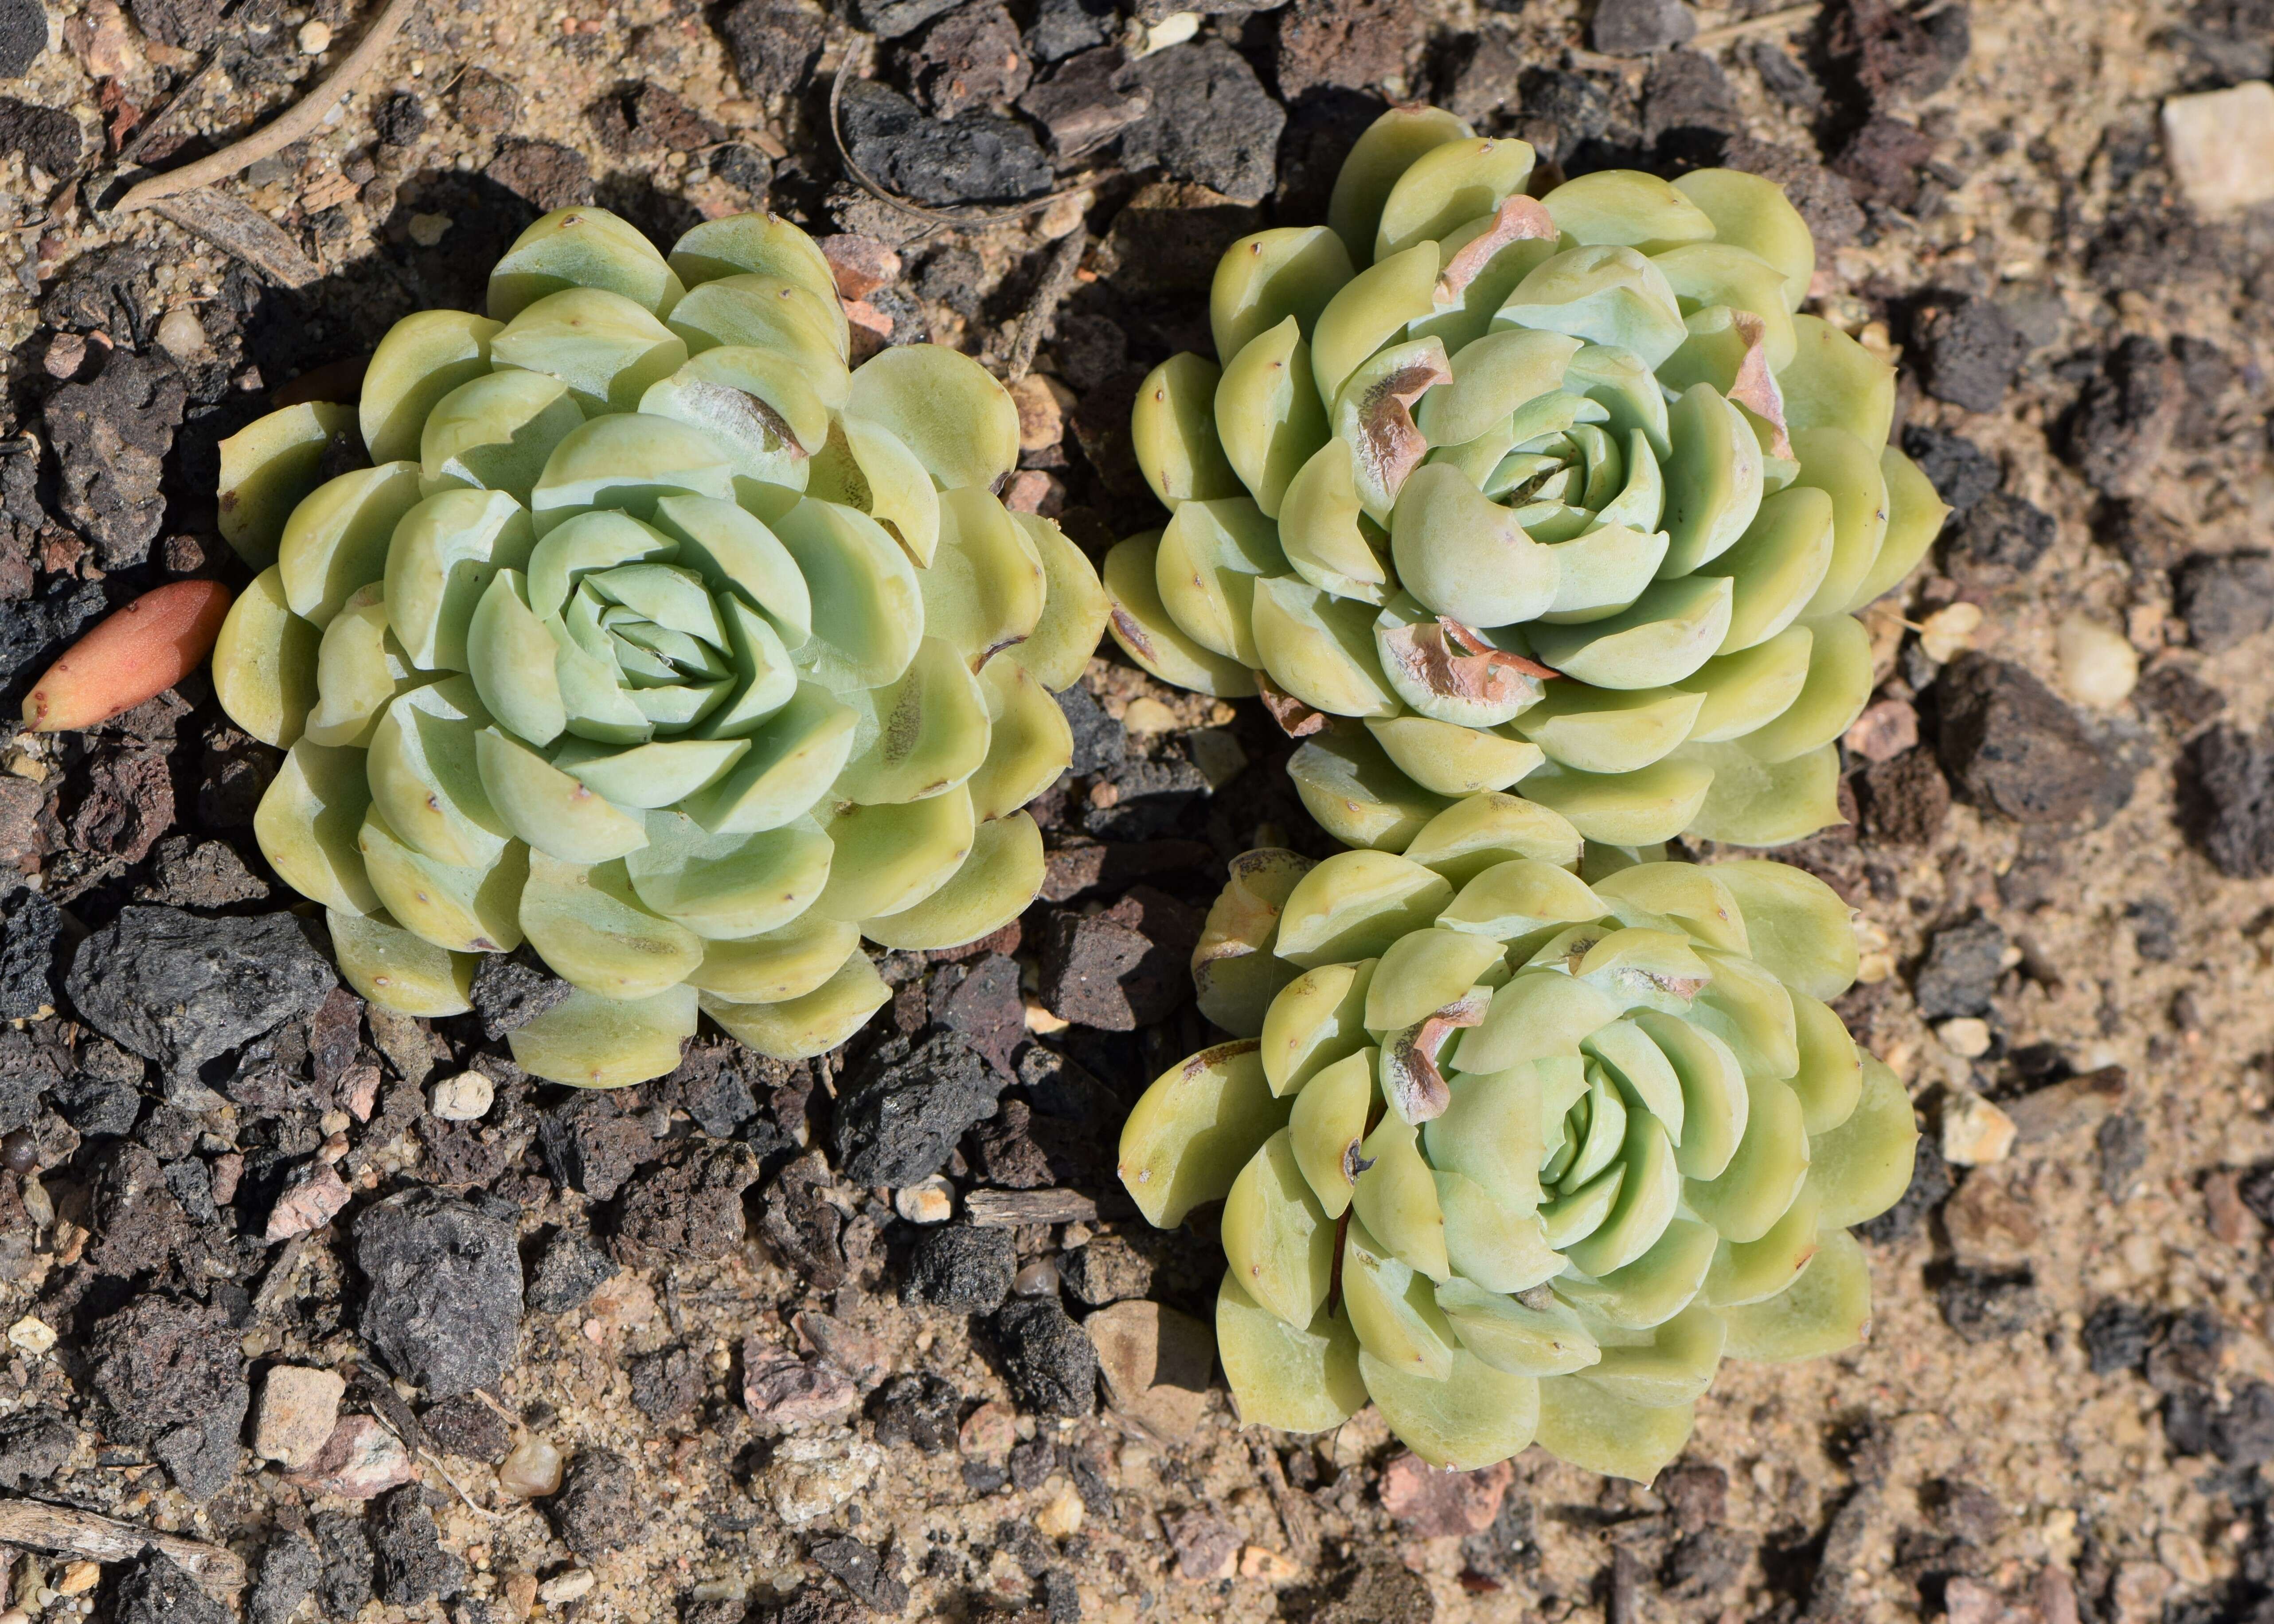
x=1449, y=659
x=1518, y=219
x=1296, y=720
x=1387, y=446
x=1416, y=1089
x=1755, y=387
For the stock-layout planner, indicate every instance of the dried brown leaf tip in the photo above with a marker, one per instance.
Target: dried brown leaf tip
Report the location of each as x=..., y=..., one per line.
x=1296, y=720
x=1755, y=386
x=1389, y=445
x=1451, y=659
x=1419, y=1090
x=1518, y=220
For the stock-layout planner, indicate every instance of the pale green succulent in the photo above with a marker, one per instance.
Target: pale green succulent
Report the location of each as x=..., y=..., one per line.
x=1521, y=1138
x=654, y=637
x=1585, y=436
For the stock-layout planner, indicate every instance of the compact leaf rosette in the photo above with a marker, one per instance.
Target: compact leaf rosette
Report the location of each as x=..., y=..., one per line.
x=1461, y=439
x=654, y=636
x=1519, y=1155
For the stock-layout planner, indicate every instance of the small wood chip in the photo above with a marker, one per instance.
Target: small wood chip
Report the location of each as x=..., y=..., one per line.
x=1006, y=1209
x=71, y=1532
x=237, y=227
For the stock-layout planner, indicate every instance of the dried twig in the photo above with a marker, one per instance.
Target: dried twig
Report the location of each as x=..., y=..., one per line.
x=1007, y=1210
x=303, y=118
x=858, y=54
x=163, y=119
x=1296, y=1516
x=74, y=1532
x=1042, y=311
x=1768, y=22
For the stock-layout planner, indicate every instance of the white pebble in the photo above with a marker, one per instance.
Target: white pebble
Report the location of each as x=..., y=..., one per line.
x=533, y=1470
x=181, y=334
x=566, y=1587
x=463, y=1098
x=315, y=37
x=2098, y=667
x=2220, y=145
x=31, y=1333
x=1967, y=1036
x=932, y=1201
x=1975, y=1132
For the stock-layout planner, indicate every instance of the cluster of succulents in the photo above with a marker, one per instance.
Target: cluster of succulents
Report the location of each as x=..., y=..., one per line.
x=642, y=630
x=1486, y=487
x=1520, y=1138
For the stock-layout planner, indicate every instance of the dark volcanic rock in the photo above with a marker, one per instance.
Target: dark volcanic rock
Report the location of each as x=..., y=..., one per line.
x=774, y=46
x=111, y=435
x=202, y=1455
x=1689, y=107
x=865, y=1571
x=962, y=1266
x=1881, y=161
x=591, y=1145
x=975, y=158
x=568, y=1270
x=543, y=174
x=33, y=630
x=412, y=1566
x=2116, y=1336
x=1895, y=53
x=968, y=57
x=2015, y=748
x=511, y=989
x=1123, y=969
x=1962, y=472
x=1997, y=538
x=160, y=1363
x=2224, y=598
x=1062, y=28
x=1966, y=350
x=29, y=926
x=1087, y=99
x=443, y=1304
x=289, y=1568
x=1358, y=44
x=159, y=1592
x=466, y=1425
x=918, y=1408
x=1961, y=970
x=1987, y=1306
x=599, y=1509
x=49, y=137
x=1905, y=799
x=34, y=1446
x=2122, y=423
x=888, y=19
x=346, y=1589
x=182, y=991
x=902, y=1115
x=687, y=1207
x=23, y=37
x=1826, y=202
x=1211, y=120
x=666, y=1384
x=1637, y=27
x=1047, y=1359
x=2231, y=808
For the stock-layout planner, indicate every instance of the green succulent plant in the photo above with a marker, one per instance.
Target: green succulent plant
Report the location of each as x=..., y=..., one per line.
x=654, y=636
x=1521, y=1136
x=1460, y=440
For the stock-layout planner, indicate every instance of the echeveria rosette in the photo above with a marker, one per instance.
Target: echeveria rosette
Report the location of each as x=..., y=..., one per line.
x=654, y=636
x=1520, y=1138
x=1485, y=487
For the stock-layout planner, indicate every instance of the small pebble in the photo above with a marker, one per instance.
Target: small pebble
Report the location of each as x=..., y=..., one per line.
x=2099, y=666
x=533, y=1470
x=932, y=1201
x=2220, y=145
x=428, y=230
x=1061, y=1519
x=566, y=1587
x=1975, y=1132
x=1039, y=1278
x=463, y=1098
x=31, y=1333
x=1147, y=715
x=66, y=354
x=181, y=334
x=79, y=1578
x=1967, y=1036
x=315, y=37
x=1949, y=632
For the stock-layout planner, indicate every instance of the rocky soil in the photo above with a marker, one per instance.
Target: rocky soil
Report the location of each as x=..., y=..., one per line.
x=334, y=1314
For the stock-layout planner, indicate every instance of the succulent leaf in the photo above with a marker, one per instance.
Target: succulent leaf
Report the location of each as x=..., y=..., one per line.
x=655, y=636
x=1550, y=1120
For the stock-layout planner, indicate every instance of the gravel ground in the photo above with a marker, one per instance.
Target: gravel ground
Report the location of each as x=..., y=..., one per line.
x=277, y=1280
